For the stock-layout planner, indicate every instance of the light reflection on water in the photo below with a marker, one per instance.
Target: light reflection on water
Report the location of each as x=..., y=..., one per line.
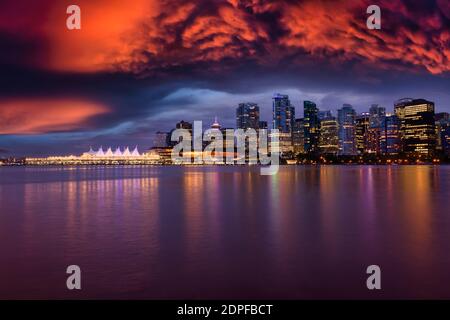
x=225, y=232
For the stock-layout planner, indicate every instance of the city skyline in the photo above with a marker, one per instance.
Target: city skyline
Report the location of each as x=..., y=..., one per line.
x=64, y=90
x=414, y=132
x=322, y=113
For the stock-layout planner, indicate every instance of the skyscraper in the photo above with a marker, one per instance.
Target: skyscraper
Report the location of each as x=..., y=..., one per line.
x=247, y=116
x=417, y=126
x=362, y=132
x=446, y=140
x=298, y=136
x=442, y=122
x=329, y=140
x=346, y=120
x=311, y=124
x=390, y=135
x=376, y=115
x=283, y=113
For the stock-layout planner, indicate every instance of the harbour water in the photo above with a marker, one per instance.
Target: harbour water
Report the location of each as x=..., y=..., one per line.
x=225, y=232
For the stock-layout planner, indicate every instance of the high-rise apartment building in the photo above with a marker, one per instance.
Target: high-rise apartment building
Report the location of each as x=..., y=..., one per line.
x=247, y=116
x=417, y=126
x=362, y=132
x=390, y=135
x=346, y=120
x=283, y=113
x=442, y=122
x=311, y=127
x=298, y=136
x=329, y=139
x=376, y=116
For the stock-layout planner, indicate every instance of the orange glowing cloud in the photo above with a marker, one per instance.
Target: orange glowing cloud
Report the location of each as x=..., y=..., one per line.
x=159, y=34
x=108, y=31
x=48, y=115
x=333, y=29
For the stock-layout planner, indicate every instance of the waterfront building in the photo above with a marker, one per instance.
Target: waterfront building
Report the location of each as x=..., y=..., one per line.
x=417, y=126
x=298, y=136
x=100, y=153
x=329, y=140
x=126, y=153
x=390, y=135
x=284, y=143
x=446, y=140
x=247, y=116
x=362, y=132
x=228, y=144
x=283, y=113
x=109, y=154
x=376, y=116
x=311, y=127
x=161, y=155
x=117, y=152
x=346, y=133
x=442, y=122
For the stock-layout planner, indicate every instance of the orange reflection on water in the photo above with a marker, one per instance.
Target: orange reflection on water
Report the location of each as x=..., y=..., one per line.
x=194, y=217
x=416, y=201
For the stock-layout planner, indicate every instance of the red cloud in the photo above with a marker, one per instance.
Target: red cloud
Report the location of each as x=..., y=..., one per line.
x=160, y=34
x=48, y=115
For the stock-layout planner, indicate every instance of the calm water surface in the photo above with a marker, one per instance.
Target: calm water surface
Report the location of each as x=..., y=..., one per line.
x=225, y=232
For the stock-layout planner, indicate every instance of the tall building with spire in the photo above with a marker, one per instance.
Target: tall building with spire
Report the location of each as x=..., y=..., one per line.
x=216, y=124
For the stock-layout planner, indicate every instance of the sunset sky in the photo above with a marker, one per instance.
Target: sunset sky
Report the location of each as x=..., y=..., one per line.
x=140, y=66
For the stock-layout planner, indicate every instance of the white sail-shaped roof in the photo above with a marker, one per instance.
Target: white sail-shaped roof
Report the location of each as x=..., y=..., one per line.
x=91, y=152
x=127, y=152
x=109, y=152
x=135, y=152
x=100, y=152
x=118, y=152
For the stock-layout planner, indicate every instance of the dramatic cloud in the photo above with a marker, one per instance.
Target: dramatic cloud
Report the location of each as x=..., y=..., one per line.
x=165, y=34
